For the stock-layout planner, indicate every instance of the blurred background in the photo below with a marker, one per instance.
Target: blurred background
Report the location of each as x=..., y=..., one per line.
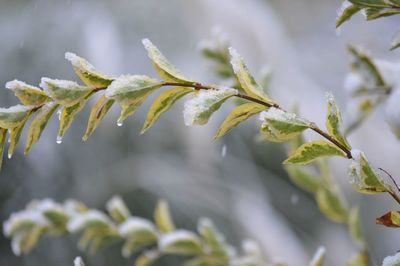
x=246, y=192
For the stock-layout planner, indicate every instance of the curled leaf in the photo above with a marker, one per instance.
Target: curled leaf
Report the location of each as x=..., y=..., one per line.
x=68, y=115
x=163, y=103
x=87, y=73
x=97, y=113
x=162, y=217
x=27, y=94
x=131, y=91
x=237, y=116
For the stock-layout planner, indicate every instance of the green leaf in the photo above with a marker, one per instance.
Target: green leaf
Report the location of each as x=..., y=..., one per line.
x=354, y=226
x=162, y=217
x=67, y=116
x=302, y=178
x=332, y=204
x=280, y=126
x=395, y=42
x=246, y=80
x=97, y=113
x=213, y=239
x=164, y=68
x=27, y=94
x=203, y=104
x=138, y=233
x=345, y=13
x=366, y=67
x=333, y=122
x=14, y=116
x=180, y=242
x=87, y=73
x=374, y=13
x=117, y=209
x=364, y=177
x=147, y=258
x=131, y=91
x=370, y=3
x=163, y=103
x=311, y=151
x=39, y=123
x=359, y=259
x=15, y=135
x=390, y=219
x=25, y=241
x=319, y=257
x=3, y=137
x=65, y=92
x=238, y=115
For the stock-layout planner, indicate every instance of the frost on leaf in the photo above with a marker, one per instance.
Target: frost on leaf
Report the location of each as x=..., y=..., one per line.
x=87, y=73
x=363, y=177
x=13, y=116
x=91, y=219
x=311, y=151
x=203, y=104
x=164, y=68
x=279, y=126
x=27, y=94
x=117, y=209
x=246, y=80
x=65, y=92
x=163, y=103
x=237, y=116
x=180, y=242
x=131, y=91
x=392, y=260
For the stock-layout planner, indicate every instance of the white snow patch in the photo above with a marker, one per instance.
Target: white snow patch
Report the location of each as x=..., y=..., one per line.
x=78, y=262
x=33, y=216
x=64, y=84
x=17, y=84
x=79, y=220
x=16, y=109
x=353, y=82
x=317, y=256
x=133, y=224
x=176, y=236
x=116, y=203
x=392, y=260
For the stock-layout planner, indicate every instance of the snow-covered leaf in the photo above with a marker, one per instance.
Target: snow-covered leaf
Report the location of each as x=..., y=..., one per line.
x=203, y=104
x=180, y=242
x=334, y=120
x=14, y=116
x=311, y=151
x=246, y=80
x=97, y=113
x=238, y=115
x=27, y=94
x=162, y=217
x=346, y=11
x=87, y=73
x=363, y=176
x=279, y=126
x=65, y=92
x=23, y=242
x=117, y=209
x=39, y=123
x=131, y=91
x=91, y=219
x=164, y=68
x=163, y=103
x=392, y=260
x=332, y=204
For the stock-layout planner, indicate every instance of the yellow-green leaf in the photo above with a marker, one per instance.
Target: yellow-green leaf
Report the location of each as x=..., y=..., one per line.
x=371, y=3
x=238, y=115
x=131, y=91
x=164, y=68
x=65, y=92
x=162, y=217
x=97, y=113
x=180, y=242
x=333, y=121
x=198, y=110
x=346, y=11
x=395, y=42
x=14, y=116
x=311, y=151
x=27, y=94
x=302, y=178
x=39, y=123
x=117, y=209
x=279, y=126
x=87, y=73
x=3, y=137
x=332, y=204
x=246, y=80
x=354, y=226
x=163, y=103
x=319, y=257
x=15, y=135
x=147, y=258
x=359, y=259
x=214, y=240
x=25, y=241
x=67, y=116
